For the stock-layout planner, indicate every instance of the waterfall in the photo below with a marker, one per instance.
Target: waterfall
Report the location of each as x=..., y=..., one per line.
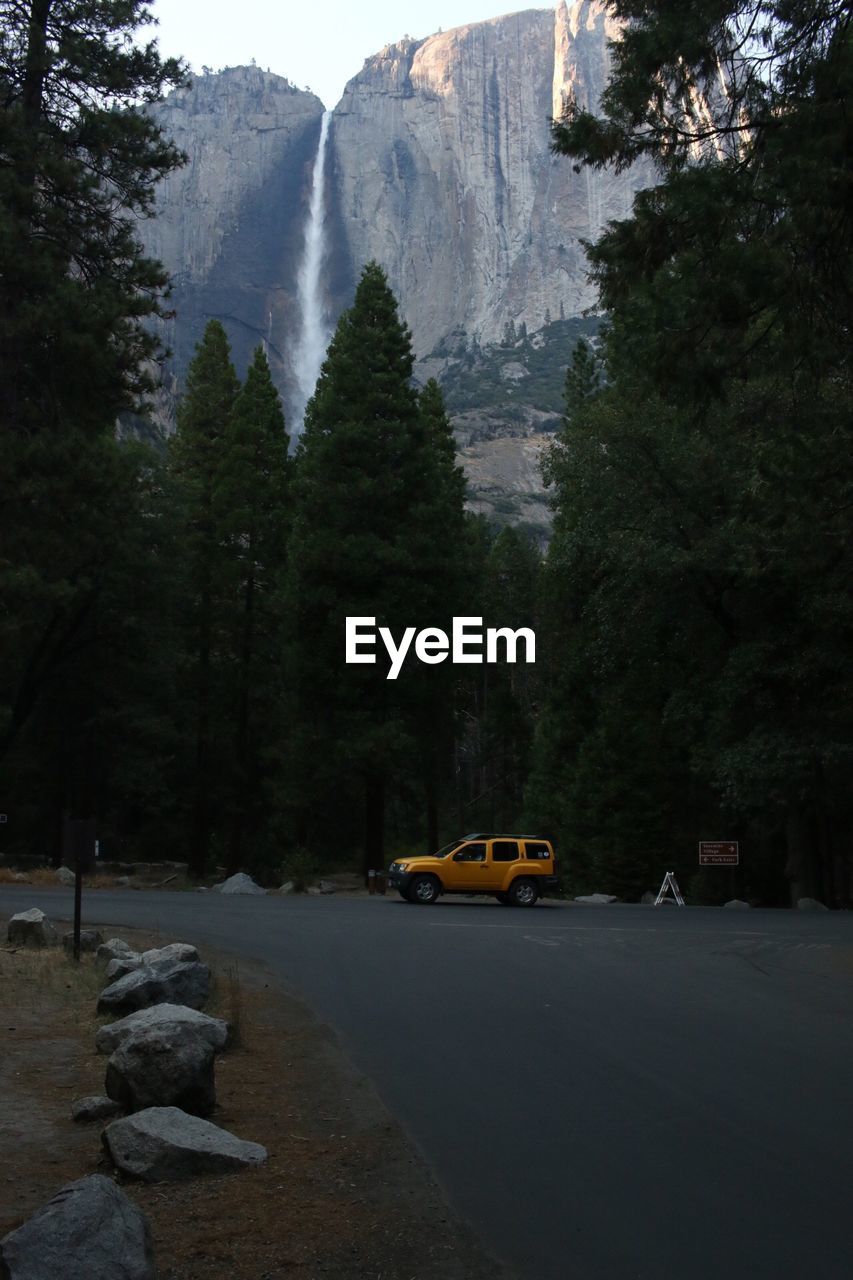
x=314, y=334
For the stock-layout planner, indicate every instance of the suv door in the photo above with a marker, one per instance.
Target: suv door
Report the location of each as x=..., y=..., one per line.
x=504, y=853
x=468, y=867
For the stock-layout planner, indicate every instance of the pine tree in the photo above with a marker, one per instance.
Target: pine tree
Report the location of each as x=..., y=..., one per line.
x=250, y=508
x=443, y=574
x=702, y=527
x=374, y=487
x=204, y=420
x=80, y=160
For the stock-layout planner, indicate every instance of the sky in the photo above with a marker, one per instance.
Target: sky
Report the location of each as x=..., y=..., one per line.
x=314, y=43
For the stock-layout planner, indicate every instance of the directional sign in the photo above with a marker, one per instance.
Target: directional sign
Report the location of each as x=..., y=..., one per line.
x=719, y=853
x=78, y=843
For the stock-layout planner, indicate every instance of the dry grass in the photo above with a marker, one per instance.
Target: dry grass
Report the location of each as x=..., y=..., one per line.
x=47, y=876
x=226, y=1001
x=31, y=976
x=342, y=1193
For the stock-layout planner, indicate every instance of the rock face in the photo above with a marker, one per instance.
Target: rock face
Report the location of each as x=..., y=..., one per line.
x=173, y=982
x=438, y=166
x=31, y=929
x=65, y=875
x=163, y=1144
x=90, y=1228
x=163, y=1066
x=229, y=225
x=213, y=1030
x=443, y=171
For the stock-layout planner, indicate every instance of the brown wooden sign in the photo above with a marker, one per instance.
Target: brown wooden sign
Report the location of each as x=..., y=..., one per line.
x=78, y=843
x=719, y=853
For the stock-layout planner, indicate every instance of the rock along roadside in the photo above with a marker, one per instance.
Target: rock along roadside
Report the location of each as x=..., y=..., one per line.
x=89, y=1229
x=163, y=1144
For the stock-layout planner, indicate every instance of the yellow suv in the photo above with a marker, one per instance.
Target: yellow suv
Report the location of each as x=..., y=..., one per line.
x=514, y=869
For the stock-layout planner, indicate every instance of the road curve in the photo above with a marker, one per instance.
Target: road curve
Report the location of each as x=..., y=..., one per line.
x=611, y=1093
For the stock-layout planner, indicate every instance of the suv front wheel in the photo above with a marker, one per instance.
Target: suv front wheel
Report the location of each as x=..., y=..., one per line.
x=523, y=893
x=423, y=889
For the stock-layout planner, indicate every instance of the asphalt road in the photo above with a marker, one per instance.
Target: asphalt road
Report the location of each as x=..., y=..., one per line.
x=614, y=1093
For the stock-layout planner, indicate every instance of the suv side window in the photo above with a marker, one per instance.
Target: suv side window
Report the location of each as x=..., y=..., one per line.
x=471, y=853
x=504, y=851
x=536, y=849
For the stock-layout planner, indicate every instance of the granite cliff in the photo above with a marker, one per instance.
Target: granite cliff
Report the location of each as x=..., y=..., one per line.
x=229, y=224
x=443, y=172
x=439, y=166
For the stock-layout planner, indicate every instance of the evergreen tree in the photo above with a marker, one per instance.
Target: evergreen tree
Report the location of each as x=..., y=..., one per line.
x=702, y=531
x=249, y=503
x=375, y=493
x=506, y=694
x=204, y=421
x=441, y=554
x=79, y=159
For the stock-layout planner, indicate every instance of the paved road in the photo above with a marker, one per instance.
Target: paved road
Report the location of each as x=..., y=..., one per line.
x=610, y=1093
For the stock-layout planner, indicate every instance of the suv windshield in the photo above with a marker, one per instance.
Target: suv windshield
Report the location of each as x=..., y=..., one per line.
x=448, y=848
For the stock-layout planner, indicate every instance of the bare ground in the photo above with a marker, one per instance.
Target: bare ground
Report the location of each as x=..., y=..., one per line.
x=343, y=1193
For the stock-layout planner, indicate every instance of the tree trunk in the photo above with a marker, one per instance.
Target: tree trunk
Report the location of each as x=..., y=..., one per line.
x=431, y=805
x=374, y=824
x=35, y=66
x=799, y=865
x=200, y=837
x=245, y=784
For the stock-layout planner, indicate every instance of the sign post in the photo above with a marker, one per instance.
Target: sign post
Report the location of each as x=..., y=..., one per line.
x=78, y=852
x=719, y=853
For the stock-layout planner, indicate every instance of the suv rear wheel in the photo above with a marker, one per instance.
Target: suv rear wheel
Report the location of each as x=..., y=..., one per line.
x=523, y=893
x=423, y=889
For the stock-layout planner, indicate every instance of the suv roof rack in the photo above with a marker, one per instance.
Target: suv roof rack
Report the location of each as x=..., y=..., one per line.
x=500, y=835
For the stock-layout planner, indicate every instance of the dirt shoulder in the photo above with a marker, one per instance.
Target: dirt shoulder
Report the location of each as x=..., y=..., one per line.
x=343, y=1193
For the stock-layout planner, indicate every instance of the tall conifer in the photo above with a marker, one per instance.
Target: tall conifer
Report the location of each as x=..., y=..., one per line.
x=372, y=504
x=250, y=509
x=203, y=420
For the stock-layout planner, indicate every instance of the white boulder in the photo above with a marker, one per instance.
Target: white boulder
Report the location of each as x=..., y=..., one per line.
x=213, y=1030
x=31, y=929
x=174, y=951
x=163, y=1066
x=240, y=883
x=90, y=940
x=89, y=1229
x=163, y=1144
x=114, y=949
x=167, y=982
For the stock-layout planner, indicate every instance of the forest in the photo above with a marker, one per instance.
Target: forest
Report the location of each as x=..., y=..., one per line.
x=172, y=614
